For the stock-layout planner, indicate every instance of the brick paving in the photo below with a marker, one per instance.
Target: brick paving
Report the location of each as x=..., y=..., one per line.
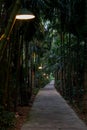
x=51, y=112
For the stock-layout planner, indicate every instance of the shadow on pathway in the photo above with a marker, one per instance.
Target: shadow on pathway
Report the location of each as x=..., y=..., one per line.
x=51, y=112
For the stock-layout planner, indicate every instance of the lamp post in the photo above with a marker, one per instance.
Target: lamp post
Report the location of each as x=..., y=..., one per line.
x=4, y=40
x=24, y=14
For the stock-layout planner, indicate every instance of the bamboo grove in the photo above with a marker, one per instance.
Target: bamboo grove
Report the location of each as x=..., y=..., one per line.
x=55, y=39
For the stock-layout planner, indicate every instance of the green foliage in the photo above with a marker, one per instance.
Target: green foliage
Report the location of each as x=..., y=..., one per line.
x=59, y=51
x=42, y=79
x=7, y=119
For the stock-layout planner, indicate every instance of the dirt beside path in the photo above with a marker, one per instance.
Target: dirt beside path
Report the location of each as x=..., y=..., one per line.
x=21, y=116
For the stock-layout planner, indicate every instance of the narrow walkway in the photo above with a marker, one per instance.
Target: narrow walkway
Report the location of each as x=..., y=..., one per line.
x=51, y=112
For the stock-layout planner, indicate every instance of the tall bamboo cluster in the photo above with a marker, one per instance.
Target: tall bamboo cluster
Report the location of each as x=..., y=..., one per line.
x=73, y=73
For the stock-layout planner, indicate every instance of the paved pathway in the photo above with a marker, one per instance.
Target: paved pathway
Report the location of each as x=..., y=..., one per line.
x=51, y=112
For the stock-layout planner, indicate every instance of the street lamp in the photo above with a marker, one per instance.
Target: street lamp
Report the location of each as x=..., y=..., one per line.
x=24, y=14
x=40, y=67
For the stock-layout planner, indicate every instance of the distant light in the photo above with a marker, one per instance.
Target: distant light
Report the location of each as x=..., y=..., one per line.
x=44, y=74
x=47, y=77
x=40, y=67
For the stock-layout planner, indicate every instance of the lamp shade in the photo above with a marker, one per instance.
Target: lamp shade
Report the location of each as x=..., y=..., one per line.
x=24, y=14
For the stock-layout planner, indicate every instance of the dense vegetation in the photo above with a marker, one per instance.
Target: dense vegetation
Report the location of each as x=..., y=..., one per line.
x=55, y=40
